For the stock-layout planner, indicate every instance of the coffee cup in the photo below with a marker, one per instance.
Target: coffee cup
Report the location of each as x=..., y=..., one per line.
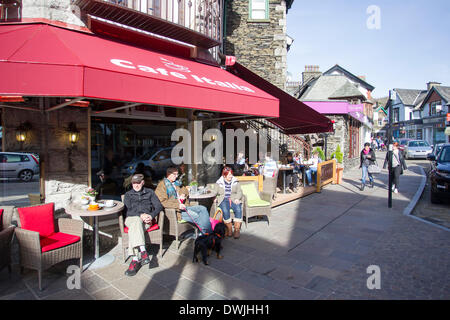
x=109, y=203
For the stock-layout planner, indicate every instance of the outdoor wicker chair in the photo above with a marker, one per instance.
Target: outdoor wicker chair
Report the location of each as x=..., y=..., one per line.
x=175, y=227
x=262, y=209
x=44, y=243
x=154, y=234
x=6, y=234
x=270, y=185
x=263, y=206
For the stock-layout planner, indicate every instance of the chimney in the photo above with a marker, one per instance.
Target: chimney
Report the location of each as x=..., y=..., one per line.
x=432, y=84
x=363, y=78
x=310, y=72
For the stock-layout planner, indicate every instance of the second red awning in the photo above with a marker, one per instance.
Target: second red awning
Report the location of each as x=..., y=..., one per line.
x=295, y=116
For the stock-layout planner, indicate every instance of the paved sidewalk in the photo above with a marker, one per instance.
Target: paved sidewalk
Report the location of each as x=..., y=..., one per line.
x=317, y=247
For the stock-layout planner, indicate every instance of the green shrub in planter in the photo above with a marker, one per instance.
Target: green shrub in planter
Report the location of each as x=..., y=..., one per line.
x=338, y=154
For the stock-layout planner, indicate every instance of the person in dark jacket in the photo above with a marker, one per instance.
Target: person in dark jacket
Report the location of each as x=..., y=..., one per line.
x=398, y=164
x=142, y=206
x=367, y=157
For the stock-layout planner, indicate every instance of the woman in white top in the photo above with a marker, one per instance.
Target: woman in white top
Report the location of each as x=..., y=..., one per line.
x=313, y=162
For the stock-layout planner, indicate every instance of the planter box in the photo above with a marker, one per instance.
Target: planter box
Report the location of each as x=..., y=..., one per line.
x=339, y=174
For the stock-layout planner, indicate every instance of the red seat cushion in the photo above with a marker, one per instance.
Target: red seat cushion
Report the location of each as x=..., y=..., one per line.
x=57, y=240
x=153, y=227
x=1, y=219
x=38, y=218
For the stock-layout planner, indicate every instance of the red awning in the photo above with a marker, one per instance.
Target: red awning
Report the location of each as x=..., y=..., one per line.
x=295, y=116
x=44, y=60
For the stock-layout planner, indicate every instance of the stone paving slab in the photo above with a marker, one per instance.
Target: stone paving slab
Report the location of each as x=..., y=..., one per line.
x=317, y=247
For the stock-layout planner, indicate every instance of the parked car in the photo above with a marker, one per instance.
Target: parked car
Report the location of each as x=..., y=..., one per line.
x=15, y=165
x=158, y=161
x=417, y=149
x=440, y=174
x=402, y=144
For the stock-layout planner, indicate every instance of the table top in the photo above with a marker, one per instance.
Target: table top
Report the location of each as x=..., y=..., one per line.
x=207, y=195
x=286, y=168
x=76, y=209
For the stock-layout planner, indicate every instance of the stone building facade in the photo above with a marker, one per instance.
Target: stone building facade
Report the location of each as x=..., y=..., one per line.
x=259, y=45
x=66, y=166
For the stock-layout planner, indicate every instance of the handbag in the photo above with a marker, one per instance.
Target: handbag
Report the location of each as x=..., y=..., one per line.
x=374, y=168
x=215, y=220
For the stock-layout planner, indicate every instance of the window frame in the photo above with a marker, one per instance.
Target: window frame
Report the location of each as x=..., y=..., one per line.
x=250, y=11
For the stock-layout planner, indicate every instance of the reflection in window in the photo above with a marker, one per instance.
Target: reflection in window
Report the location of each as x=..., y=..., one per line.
x=10, y=10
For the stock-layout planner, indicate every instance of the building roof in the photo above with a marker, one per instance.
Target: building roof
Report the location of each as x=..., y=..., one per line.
x=350, y=75
x=328, y=87
x=408, y=96
x=346, y=91
x=443, y=92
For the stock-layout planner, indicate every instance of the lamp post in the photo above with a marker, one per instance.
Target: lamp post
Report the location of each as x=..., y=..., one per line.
x=391, y=96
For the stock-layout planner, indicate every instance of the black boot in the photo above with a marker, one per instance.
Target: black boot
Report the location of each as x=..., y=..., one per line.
x=362, y=186
x=371, y=184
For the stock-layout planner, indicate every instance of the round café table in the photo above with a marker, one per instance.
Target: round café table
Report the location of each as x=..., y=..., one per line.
x=284, y=169
x=77, y=209
x=203, y=198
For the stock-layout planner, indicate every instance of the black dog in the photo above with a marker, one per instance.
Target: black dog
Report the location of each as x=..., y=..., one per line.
x=206, y=243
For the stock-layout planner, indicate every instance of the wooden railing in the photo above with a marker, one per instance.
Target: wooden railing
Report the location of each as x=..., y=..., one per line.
x=326, y=173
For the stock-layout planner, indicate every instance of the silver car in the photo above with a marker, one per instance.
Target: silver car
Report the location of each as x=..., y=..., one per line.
x=417, y=149
x=14, y=165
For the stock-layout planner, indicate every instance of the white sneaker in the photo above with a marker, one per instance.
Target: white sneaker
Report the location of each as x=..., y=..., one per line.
x=395, y=190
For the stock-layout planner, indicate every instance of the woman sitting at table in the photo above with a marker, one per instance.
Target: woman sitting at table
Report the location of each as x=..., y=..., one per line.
x=229, y=196
x=313, y=162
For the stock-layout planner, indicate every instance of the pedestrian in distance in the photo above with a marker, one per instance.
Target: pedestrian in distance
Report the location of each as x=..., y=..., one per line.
x=398, y=164
x=367, y=158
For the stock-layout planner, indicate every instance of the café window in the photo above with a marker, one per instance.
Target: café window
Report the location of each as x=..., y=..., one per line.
x=259, y=9
x=10, y=10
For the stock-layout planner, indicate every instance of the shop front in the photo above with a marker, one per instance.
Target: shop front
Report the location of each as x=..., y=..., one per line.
x=95, y=105
x=122, y=103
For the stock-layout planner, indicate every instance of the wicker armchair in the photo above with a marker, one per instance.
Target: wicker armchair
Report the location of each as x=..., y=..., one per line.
x=44, y=243
x=6, y=234
x=154, y=234
x=270, y=185
x=174, y=227
x=248, y=212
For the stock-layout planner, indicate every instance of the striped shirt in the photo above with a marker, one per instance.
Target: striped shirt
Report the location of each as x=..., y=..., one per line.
x=227, y=190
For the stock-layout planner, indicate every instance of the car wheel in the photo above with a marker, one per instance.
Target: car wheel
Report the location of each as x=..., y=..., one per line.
x=434, y=198
x=26, y=175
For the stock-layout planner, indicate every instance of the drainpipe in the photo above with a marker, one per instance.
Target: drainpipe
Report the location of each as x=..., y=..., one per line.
x=224, y=26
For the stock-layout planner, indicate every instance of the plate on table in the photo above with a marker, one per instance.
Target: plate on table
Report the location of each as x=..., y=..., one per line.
x=109, y=207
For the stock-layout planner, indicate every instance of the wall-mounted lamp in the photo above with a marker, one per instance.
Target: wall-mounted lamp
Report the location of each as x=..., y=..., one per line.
x=74, y=134
x=22, y=131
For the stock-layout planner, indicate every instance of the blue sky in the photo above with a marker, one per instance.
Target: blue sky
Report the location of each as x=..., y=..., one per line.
x=411, y=48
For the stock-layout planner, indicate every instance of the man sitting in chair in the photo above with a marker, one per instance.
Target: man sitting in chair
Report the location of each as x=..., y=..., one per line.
x=142, y=205
x=173, y=197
